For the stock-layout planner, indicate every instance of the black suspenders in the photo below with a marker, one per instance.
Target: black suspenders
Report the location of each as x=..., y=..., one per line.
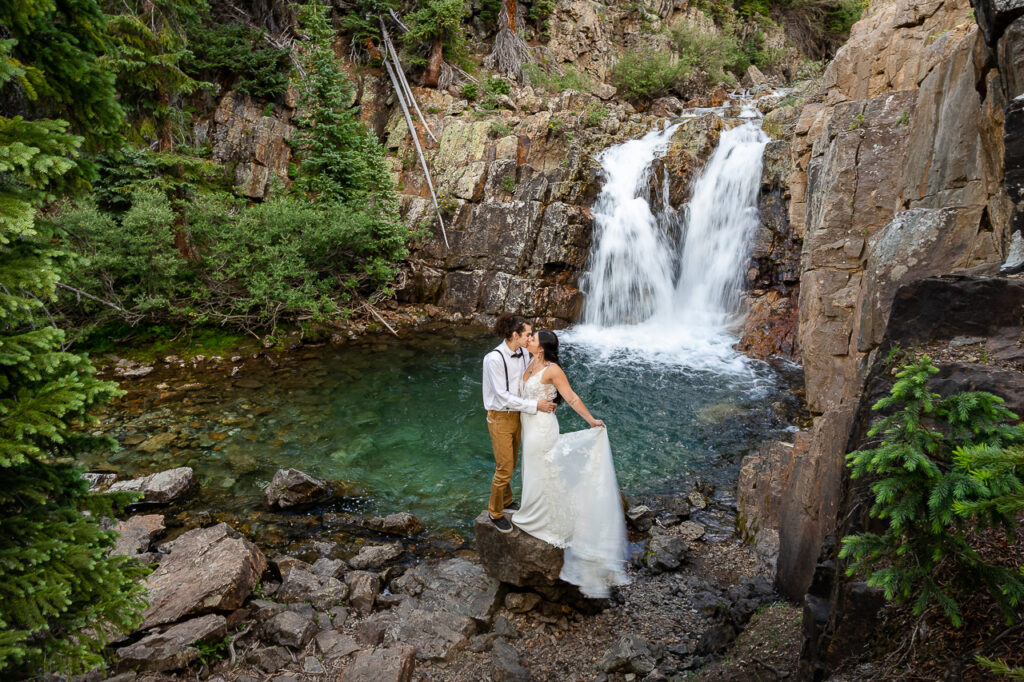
x=503, y=362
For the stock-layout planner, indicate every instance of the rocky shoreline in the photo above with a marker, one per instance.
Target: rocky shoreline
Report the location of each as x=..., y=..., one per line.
x=397, y=604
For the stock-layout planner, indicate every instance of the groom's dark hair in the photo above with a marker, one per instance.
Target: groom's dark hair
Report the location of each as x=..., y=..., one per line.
x=506, y=325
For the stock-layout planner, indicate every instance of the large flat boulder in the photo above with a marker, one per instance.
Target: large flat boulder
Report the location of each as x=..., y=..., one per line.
x=159, y=488
x=173, y=648
x=207, y=569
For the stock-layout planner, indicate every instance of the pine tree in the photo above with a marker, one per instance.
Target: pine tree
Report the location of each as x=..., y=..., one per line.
x=60, y=595
x=923, y=485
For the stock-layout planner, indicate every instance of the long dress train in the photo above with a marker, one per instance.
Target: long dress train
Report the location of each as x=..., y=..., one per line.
x=571, y=497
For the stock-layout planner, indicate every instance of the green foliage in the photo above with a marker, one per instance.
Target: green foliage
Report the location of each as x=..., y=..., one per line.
x=147, y=64
x=594, y=115
x=339, y=158
x=556, y=126
x=288, y=257
x=559, y=81
x=1000, y=668
x=499, y=129
x=178, y=176
x=470, y=91
x=646, y=73
x=60, y=594
x=237, y=55
x=843, y=15
x=496, y=85
x=360, y=21
x=857, y=121
x=713, y=55
x=436, y=20
x=927, y=474
x=508, y=183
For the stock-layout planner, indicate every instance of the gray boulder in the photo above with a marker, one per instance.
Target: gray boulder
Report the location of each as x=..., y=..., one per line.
x=302, y=585
x=159, y=488
x=270, y=659
x=207, y=569
x=402, y=523
x=174, y=648
x=288, y=628
x=376, y=556
x=332, y=644
x=363, y=590
x=293, y=488
x=381, y=665
x=454, y=586
x=506, y=665
x=517, y=558
x=631, y=654
x=665, y=551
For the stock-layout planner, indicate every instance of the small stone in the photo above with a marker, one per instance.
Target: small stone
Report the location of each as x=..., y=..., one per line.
x=697, y=499
x=382, y=665
x=331, y=568
x=506, y=665
x=502, y=627
x=690, y=530
x=160, y=488
x=311, y=665
x=640, y=518
x=521, y=602
x=289, y=629
x=339, y=616
x=270, y=659
x=332, y=644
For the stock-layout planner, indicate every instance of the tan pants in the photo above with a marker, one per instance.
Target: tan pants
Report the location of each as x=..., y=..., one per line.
x=506, y=433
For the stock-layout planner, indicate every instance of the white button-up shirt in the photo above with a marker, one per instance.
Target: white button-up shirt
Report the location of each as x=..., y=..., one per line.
x=498, y=396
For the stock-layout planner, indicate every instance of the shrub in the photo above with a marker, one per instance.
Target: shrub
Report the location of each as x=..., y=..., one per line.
x=238, y=54
x=646, y=74
x=713, y=54
x=594, y=115
x=927, y=477
x=570, y=79
x=499, y=129
x=496, y=85
x=470, y=91
x=508, y=183
x=436, y=20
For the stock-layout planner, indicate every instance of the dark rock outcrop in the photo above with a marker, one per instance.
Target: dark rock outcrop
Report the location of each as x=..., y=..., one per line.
x=519, y=559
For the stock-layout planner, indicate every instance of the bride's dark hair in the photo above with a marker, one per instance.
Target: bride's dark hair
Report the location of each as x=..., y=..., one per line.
x=549, y=342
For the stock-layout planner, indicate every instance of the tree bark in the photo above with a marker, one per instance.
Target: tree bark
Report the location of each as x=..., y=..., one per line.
x=433, y=71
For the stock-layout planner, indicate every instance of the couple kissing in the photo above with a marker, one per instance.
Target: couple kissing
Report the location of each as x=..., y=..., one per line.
x=570, y=494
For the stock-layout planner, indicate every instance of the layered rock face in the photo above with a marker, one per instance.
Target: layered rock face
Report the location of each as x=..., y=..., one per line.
x=898, y=175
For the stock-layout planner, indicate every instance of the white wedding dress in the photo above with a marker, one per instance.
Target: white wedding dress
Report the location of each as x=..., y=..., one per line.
x=571, y=498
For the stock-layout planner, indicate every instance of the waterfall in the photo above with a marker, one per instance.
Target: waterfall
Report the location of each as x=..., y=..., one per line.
x=671, y=283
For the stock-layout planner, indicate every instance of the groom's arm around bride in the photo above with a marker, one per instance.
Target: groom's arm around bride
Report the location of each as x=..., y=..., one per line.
x=503, y=369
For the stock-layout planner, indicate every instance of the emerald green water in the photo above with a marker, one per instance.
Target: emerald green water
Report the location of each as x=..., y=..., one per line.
x=402, y=420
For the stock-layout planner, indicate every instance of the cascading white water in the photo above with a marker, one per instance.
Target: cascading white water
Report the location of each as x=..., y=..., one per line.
x=675, y=297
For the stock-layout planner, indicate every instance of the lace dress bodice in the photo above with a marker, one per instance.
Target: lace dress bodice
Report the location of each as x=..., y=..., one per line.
x=534, y=389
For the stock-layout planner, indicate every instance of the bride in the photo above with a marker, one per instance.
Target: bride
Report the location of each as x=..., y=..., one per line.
x=570, y=495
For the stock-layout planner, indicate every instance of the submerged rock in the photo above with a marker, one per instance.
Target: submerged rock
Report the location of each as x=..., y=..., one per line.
x=159, y=488
x=402, y=523
x=208, y=569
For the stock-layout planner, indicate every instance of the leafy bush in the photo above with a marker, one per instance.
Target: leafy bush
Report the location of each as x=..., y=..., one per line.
x=713, y=54
x=499, y=129
x=930, y=470
x=496, y=85
x=238, y=55
x=470, y=91
x=570, y=79
x=646, y=73
x=247, y=266
x=594, y=115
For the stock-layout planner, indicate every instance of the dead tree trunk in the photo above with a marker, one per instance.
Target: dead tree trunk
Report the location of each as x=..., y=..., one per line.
x=510, y=50
x=434, y=61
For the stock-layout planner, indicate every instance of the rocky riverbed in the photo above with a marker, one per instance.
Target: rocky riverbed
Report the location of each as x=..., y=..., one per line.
x=221, y=608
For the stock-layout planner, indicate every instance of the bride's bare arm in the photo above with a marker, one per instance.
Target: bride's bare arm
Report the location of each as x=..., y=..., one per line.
x=561, y=382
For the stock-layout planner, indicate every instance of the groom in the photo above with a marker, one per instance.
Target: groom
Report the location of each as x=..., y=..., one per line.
x=503, y=373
